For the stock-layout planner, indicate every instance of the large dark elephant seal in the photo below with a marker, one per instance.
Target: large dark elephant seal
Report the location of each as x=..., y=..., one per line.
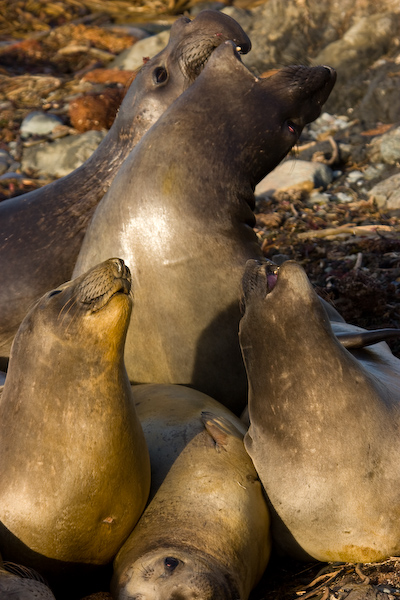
x=180, y=214
x=324, y=433
x=205, y=534
x=74, y=469
x=49, y=223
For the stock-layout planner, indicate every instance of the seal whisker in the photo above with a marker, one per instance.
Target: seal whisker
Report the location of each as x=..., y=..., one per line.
x=74, y=300
x=65, y=306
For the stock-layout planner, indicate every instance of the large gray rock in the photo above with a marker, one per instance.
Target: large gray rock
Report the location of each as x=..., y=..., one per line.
x=360, y=46
x=292, y=31
x=292, y=173
x=387, y=193
x=62, y=156
x=132, y=58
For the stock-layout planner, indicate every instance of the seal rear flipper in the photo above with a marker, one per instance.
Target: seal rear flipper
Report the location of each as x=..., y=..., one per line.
x=220, y=429
x=367, y=338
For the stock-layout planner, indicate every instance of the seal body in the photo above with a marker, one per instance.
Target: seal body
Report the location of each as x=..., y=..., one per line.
x=324, y=422
x=180, y=214
x=205, y=533
x=74, y=463
x=50, y=223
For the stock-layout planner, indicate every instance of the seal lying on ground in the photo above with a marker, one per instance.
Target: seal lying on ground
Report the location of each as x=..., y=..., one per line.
x=74, y=470
x=180, y=213
x=49, y=224
x=19, y=583
x=324, y=422
x=205, y=534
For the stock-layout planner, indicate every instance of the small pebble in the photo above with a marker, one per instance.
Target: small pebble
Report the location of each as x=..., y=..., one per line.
x=354, y=176
x=39, y=123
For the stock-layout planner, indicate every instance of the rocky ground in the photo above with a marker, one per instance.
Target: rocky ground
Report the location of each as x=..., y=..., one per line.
x=64, y=68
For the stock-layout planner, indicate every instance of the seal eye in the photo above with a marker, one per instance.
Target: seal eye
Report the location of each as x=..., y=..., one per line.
x=170, y=563
x=160, y=75
x=54, y=293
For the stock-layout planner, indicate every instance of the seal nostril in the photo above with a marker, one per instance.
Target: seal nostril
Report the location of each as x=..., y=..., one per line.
x=54, y=293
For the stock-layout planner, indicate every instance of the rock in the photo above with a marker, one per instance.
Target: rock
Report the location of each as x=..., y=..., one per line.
x=108, y=76
x=39, y=123
x=354, y=176
x=381, y=99
x=95, y=111
x=327, y=123
x=291, y=31
x=385, y=148
x=6, y=160
x=387, y=193
x=374, y=171
x=132, y=58
x=62, y=156
x=390, y=146
x=295, y=173
x=362, y=44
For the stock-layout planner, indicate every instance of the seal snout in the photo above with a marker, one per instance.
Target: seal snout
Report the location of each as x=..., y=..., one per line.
x=103, y=282
x=259, y=278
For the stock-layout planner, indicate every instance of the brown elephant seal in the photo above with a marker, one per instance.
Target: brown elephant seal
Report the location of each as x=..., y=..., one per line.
x=205, y=533
x=74, y=470
x=180, y=214
x=324, y=422
x=50, y=223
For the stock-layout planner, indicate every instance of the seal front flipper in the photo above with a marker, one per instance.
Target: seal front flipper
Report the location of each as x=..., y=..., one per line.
x=220, y=429
x=362, y=339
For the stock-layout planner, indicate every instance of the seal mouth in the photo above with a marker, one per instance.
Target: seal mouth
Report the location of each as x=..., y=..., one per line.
x=102, y=283
x=259, y=279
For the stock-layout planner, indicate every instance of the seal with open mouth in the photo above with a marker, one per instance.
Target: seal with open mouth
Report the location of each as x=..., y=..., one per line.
x=205, y=533
x=324, y=422
x=180, y=213
x=50, y=223
x=74, y=469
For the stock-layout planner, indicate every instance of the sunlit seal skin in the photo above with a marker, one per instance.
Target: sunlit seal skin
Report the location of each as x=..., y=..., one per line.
x=20, y=583
x=180, y=213
x=49, y=223
x=74, y=469
x=324, y=422
x=205, y=533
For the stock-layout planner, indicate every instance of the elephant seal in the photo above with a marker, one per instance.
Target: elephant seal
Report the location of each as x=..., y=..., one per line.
x=74, y=470
x=19, y=583
x=50, y=223
x=180, y=213
x=205, y=533
x=324, y=422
